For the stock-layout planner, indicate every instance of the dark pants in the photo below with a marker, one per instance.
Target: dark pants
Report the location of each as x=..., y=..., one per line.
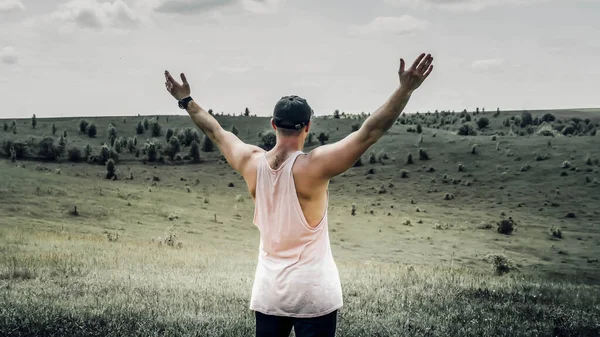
x=276, y=326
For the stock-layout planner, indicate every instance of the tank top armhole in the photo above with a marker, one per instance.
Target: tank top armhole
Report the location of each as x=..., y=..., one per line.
x=297, y=205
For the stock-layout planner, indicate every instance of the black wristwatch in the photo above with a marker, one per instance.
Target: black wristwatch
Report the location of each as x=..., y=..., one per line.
x=184, y=102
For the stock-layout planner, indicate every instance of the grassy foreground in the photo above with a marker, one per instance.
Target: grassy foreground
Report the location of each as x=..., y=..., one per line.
x=70, y=284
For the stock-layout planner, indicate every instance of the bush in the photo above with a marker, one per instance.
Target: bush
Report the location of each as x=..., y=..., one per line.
x=131, y=145
x=500, y=264
x=150, y=150
x=5, y=126
x=83, y=125
x=419, y=128
x=268, y=141
x=112, y=134
x=110, y=169
x=91, y=130
x=234, y=130
x=172, y=147
x=19, y=147
x=483, y=122
x=169, y=134
x=156, y=128
x=207, y=144
x=117, y=146
x=48, y=150
x=104, y=155
x=467, y=130
x=195, y=151
x=526, y=119
x=87, y=151
x=310, y=139
x=323, y=138
x=423, y=155
x=548, y=118
x=467, y=117
x=555, y=232
x=409, y=159
x=139, y=129
x=355, y=127
x=474, y=149
x=145, y=123
x=74, y=155
x=187, y=136
x=569, y=129
x=506, y=226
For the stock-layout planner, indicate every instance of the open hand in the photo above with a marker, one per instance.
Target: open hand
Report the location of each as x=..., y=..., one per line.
x=179, y=91
x=412, y=78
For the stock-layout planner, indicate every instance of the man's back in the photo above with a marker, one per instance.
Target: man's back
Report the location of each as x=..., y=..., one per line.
x=296, y=275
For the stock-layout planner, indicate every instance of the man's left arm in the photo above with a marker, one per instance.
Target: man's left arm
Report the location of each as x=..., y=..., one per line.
x=236, y=152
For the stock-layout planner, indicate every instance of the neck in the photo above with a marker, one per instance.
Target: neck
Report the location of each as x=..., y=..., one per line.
x=288, y=144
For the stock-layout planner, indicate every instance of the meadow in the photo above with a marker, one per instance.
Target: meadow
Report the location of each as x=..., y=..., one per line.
x=454, y=224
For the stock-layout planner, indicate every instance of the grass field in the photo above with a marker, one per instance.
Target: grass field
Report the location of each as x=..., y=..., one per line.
x=172, y=251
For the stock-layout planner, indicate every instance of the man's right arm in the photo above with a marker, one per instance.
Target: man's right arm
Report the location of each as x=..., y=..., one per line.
x=327, y=161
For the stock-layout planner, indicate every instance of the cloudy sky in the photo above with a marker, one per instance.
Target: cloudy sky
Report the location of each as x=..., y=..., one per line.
x=107, y=57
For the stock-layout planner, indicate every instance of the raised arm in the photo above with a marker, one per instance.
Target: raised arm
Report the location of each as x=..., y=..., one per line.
x=333, y=159
x=236, y=152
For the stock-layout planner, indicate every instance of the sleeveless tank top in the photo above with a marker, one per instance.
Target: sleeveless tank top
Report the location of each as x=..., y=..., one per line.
x=296, y=275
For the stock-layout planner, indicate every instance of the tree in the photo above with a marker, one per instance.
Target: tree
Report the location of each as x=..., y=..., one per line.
x=526, y=119
x=91, y=130
x=112, y=134
x=195, y=151
x=33, y=121
x=207, y=144
x=62, y=146
x=419, y=128
x=173, y=147
x=310, y=139
x=169, y=134
x=246, y=112
x=83, y=125
x=110, y=169
x=483, y=122
x=210, y=111
x=323, y=138
x=234, y=130
x=268, y=141
x=156, y=129
x=53, y=129
x=150, y=149
x=336, y=114
x=14, y=127
x=87, y=151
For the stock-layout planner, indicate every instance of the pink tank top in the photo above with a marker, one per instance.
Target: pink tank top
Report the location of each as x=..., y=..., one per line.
x=296, y=275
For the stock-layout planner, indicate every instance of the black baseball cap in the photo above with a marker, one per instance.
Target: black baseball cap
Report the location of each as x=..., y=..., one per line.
x=292, y=112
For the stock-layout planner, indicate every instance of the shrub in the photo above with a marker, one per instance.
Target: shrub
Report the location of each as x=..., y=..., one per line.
x=104, y=155
x=474, y=149
x=117, y=146
x=156, y=128
x=500, y=264
x=110, y=169
x=483, y=122
x=419, y=128
x=461, y=168
x=566, y=164
x=467, y=117
x=381, y=156
x=323, y=138
x=91, y=130
x=358, y=163
x=169, y=134
x=145, y=124
x=310, y=139
x=150, y=150
x=87, y=151
x=555, y=232
x=130, y=145
x=526, y=119
x=208, y=145
x=506, y=226
x=172, y=147
x=569, y=129
x=195, y=151
x=5, y=126
x=467, y=130
x=547, y=118
x=112, y=134
x=74, y=154
x=234, y=130
x=355, y=127
x=139, y=129
x=83, y=125
x=409, y=159
x=187, y=136
x=47, y=149
x=423, y=155
x=372, y=158
x=540, y=156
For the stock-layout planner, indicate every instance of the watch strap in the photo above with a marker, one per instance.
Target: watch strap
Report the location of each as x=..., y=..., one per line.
x=183, y=103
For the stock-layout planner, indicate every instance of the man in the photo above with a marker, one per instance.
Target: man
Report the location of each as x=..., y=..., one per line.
x=297, y=282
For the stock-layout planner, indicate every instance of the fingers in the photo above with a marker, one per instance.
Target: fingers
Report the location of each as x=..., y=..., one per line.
x=425, y=64
x=170, y=78
x=429, y=70
x=183, y=79
x=402, y=65
x=417, y=61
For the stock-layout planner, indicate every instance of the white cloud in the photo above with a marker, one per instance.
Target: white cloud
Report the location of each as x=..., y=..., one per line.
x=97, y=15
x=261, y=6
x=458, y=5
x=238, y=70
x=8, y=55
x=190, y=7
x=11, y=6
x=404, y=24
x=487, y=64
